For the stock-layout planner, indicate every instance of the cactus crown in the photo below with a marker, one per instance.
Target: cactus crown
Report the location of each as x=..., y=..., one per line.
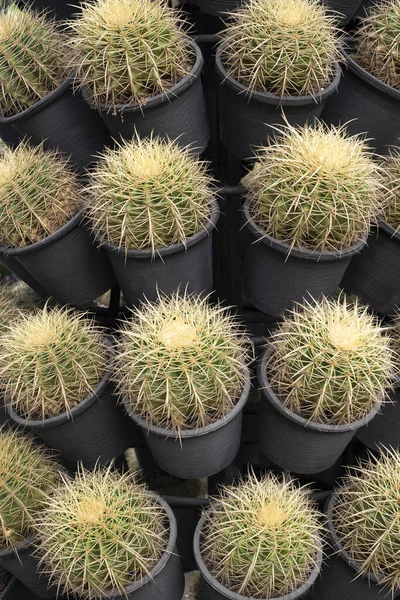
x=32, y=59
x=38, y=194
x=315, y=188
x=180, y=363
x=27, y=474
x=51, y=361
x=149, y=194
x=391, y=180
x=378, y=39
x=126, y=51
x=100, y=532
x=331, y=361
x=366, y=517
x=262, y=539
x=281, y=47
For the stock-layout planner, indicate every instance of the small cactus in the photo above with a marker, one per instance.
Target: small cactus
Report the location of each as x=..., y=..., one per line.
x=366, y=517
x=27, y=474
x=315, y=188
x=331, y=361
x=32, y=59
x=149, y=194
x=391, y=181
x=378, y=47
x=126, y=51
x=100, y=532
x=281, y=47
x=51, y=361
x=38, y=194
x=181, y=363
x=263, y=538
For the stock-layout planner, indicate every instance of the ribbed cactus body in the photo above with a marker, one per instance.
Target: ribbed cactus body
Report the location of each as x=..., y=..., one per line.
x=391, y=182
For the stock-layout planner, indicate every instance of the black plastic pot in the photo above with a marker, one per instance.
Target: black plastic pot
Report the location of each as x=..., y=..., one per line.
x=384, y=429
x=366, y=105
x=339, y=578
x=374, y=274
x=140, y=275
x=63, y=120
x=67, y=264
x=59, y=9
x=98, y=430
x=217, y=7
x=179, y=113
x=346, y=9
x=245, y=121
x=9, y=135
x=211, y=589
x=15, y=267
x=200, y=452
x=293, y=443
x=16, y=591
x=273, y=279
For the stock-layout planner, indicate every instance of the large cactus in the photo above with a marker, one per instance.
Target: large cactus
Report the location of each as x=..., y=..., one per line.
x=391, y=181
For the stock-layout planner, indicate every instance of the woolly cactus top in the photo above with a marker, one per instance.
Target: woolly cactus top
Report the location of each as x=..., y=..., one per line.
x=281, y=47
x=51, y=361
x=101, y=532
x=378, y=40
x=126, y=51
x=315, y=188
x=262, y=539
x=149, y=194
x=180, y=363
x=366, y=517
x=331, y=362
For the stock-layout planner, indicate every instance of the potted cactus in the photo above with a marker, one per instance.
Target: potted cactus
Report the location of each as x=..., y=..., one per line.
x=141, y=70
x=310, y=201
x=364, y=530
x=368, y=97
x=103, y=535
x=28, y=474
x=277, y=61
x=180, y=368
x=323, y=376
x=55, y=366
x=153, y=211
x=36, y=97
x=260, y=539
x=41, y=213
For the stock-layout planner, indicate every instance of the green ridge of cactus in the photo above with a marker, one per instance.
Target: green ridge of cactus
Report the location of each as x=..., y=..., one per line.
x=315, y=188
x=391, y=182
x=281, y=47
x=180, y=363
x=366, y=517
x=9, y=311
x=38, y=194
x=263, y=538
x=378, y=42
x=100, y=532
x=32, y=59
x=28, y=473
x=149, y=194
x=50, y=361
x=126, y=51
x=332, y=361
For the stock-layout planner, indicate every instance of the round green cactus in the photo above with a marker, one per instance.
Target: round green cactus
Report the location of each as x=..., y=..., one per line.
x=281, y=47
x=38, y=194
x=149, y=194
x=332, y=362
x=315, y=188
x=263, y=538
x=366, y=517
x=378, y=48
x=100, y=532
x=391, y=182
x=51, y=361
x=27, y=474
x=181, y=363
x=126, y=51
x=32, y=59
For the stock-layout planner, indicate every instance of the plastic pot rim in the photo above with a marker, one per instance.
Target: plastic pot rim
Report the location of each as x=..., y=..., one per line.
x=273, y=99
x=161, y=98
x=296, y=252
x=25, y=544
x=388, y=229
x=270, y=396
x=200, y=431
x=232, y=595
